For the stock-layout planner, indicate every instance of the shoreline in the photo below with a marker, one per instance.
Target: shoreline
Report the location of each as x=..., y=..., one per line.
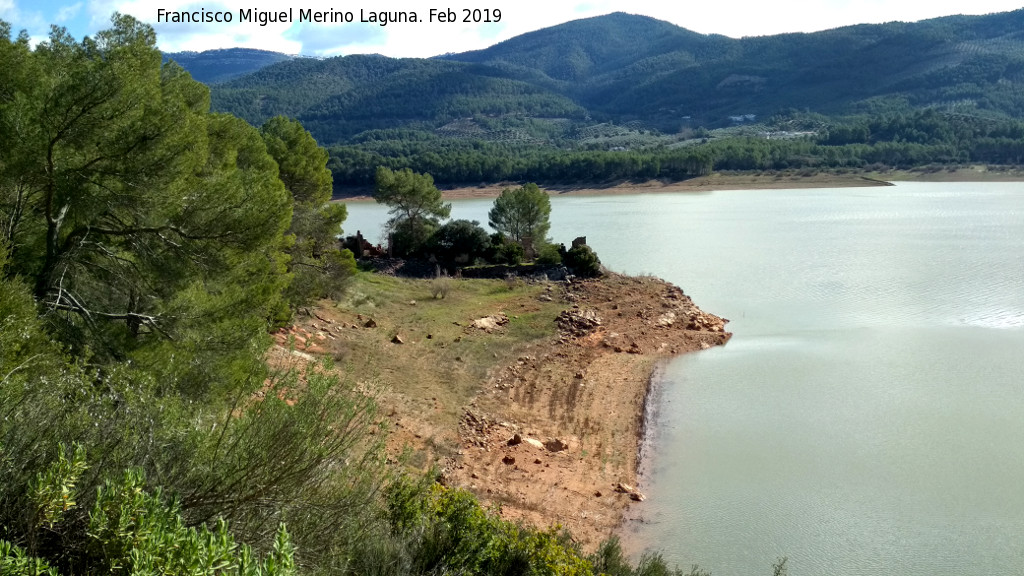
x=649, y=415
x=728, y=181
x=536, y=397
x=645, y=460
x=558, y=437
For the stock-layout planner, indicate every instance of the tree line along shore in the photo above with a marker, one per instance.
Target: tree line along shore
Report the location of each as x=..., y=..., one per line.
x=906, y=142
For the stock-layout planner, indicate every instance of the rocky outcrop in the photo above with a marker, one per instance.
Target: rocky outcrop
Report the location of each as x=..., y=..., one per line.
x=568, y=413
x=490, y=323
x=577, y=322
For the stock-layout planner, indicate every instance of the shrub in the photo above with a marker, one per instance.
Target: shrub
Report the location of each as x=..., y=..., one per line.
x=583, y=261
x=550, y=255
x=610, y=560
x=510, y=253
x=407, y=238
x=133, y=531
x=459, y=241
x=446, y=531
x=440, y=286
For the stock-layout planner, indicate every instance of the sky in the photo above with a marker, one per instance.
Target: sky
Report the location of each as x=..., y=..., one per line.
x=735, y=18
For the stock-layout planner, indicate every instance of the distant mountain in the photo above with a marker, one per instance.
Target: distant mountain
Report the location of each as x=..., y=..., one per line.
x=627, y=68
x=576, y=53
x=634, y=66
x=337, y=98
x=214, y=66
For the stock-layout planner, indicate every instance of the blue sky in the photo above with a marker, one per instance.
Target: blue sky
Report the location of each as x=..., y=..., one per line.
x=730, y=17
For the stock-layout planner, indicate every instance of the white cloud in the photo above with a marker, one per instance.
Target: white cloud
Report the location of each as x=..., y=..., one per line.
x=68, y=13
x=336, y=39
x=99, y=13
x=20, y=19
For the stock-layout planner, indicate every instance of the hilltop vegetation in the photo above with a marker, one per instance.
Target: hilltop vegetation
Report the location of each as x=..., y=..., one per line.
x=212, y=66
x=622, y=67
x=338, y=98
x=629, y=97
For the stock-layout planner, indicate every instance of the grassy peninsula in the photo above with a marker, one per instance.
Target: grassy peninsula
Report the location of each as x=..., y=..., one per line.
x=529, y=394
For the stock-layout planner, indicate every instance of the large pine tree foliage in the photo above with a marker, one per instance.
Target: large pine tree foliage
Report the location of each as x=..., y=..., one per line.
x=143, y=250
x=138, y=217
x=319, y=267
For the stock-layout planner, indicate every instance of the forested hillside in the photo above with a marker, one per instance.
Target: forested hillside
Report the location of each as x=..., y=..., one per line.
x=340, y=97
x=630, y=97
x=972, y=61
x=623, y=68
x=212, y=66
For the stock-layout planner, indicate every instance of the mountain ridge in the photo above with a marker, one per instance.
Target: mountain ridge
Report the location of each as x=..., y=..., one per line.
x=622, y=67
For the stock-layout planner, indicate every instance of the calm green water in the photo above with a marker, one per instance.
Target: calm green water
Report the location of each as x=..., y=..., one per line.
x=868, y=415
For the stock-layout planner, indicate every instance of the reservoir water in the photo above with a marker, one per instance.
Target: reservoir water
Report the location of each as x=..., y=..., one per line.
x=868, y=415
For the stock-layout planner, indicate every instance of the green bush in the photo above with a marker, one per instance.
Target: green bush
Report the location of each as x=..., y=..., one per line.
x=133, y=531
x=583, y=261
x=550, y=255
x=407, y=238
x=509, y=253
x=459, y=240
x=446, y=531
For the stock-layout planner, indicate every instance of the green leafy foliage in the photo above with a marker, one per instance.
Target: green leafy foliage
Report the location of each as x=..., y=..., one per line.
x=550, y=255
x=508, y=253
x=523, y=214
x=133, y=531
x=54, y=489
x=318, y=265
x=15, y=561
x=133, y=212
x=416, y=207
x=303, y=455
x=143, y=250
x=459, y=242
x=337, y=98
x=583, y=261
x=440, y=530
x=26, y=351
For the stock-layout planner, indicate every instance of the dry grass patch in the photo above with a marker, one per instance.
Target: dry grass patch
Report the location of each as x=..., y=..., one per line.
x=441, y=361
